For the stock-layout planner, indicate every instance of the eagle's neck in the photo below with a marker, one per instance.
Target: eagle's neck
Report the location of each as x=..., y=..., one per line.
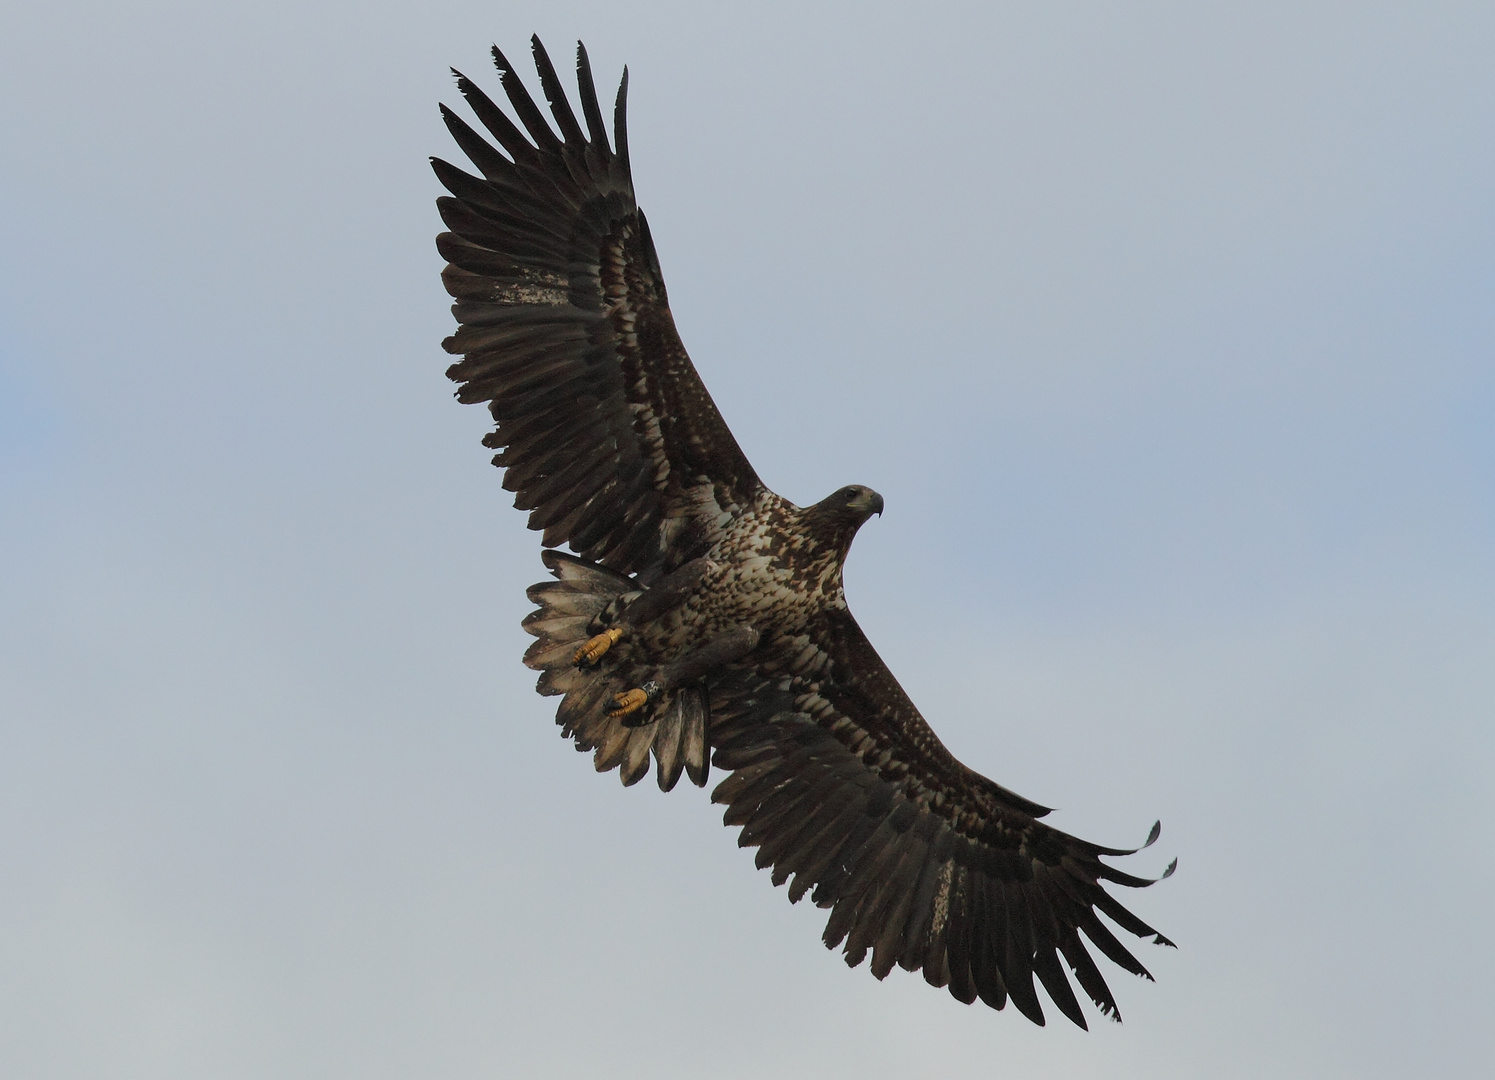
x=828, y=527
x=824, y=540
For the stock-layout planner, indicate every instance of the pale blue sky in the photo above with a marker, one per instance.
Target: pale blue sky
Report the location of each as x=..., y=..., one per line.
x=1166, y=332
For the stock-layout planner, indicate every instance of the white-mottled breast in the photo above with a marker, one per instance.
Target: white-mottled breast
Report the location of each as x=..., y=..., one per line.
x=772, y=574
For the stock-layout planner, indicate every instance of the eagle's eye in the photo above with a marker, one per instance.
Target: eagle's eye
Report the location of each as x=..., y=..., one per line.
x=851, y=493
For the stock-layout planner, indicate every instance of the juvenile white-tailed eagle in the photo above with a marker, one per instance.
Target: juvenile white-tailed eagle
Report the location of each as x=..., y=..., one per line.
x=702, y=614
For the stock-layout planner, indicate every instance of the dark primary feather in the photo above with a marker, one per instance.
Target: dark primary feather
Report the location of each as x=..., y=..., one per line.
x=921, y=861
x=566, y=332
x=610, y=440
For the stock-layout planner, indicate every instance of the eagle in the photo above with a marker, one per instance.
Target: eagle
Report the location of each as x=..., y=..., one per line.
x=699, y=618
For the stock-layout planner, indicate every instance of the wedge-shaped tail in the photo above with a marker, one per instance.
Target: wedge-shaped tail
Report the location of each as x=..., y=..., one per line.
x=573, y=608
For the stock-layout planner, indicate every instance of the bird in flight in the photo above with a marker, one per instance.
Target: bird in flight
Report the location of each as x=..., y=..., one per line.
x=699, y=619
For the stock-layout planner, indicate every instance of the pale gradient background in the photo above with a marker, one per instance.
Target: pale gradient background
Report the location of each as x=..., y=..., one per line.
x=1167, y=334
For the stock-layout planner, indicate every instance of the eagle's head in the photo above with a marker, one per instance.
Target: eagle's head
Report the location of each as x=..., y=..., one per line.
x=836, y=518
x=853, y=504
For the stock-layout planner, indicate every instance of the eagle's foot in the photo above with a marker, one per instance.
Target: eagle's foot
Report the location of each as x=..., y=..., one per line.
x=629, y=705
x=595, y=649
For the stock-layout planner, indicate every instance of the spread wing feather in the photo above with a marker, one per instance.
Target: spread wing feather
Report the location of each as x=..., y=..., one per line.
x=923, y=863
x=610, y=440
x=608, y=435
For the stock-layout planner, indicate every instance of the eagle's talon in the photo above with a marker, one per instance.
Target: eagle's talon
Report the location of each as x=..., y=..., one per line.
x=628, y=703
x=595, y=649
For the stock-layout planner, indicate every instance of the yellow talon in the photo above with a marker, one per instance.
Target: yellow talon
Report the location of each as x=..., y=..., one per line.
x=627, y=703
x=595, y=649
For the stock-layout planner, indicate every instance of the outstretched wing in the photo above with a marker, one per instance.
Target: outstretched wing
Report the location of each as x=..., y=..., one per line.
x=609, y=438
x=838, y=781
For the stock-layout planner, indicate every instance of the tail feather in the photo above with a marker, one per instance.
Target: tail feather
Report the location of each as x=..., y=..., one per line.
x=611, y=746
x=549, y=653
x=558, y=625
x=667, y=745
x=585, y=576
x=694, y=747
x=581, y=600
x=636, y=754
x=581, y=715
x=562, y=680
x=562, y=598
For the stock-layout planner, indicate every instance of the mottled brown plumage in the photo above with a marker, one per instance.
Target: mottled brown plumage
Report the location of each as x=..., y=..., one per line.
x=702, y=614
